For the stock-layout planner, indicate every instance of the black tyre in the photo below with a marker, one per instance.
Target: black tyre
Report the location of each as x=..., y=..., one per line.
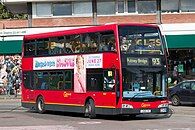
x=90, y=109
x=132, y=116
x=175, y=100
x=40, y=107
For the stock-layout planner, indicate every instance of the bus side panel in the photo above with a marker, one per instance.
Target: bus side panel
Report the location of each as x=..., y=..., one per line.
x=27, y=64
x=110, y=60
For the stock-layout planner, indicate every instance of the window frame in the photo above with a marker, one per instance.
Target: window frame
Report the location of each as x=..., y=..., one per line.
x=41, y=4
x=96, y=74
x=29, y=80
x=61, y=3
x=71, y=45
x=106, y=84
x=148, y=11
x=47, y=82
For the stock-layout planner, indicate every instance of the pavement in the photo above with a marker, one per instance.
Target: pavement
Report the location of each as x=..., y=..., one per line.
x=11, y=97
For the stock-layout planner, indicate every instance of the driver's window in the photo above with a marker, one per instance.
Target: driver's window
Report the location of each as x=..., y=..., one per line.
x=109, y=81
x=193, y=85
x=186, y=85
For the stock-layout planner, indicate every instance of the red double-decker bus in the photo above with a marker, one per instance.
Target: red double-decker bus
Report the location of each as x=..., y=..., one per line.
x=111, y=69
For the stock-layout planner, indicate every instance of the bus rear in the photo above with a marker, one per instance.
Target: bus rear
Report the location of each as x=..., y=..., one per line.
x=143, y=70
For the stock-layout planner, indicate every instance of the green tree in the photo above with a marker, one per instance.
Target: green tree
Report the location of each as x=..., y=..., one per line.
x=5, y=14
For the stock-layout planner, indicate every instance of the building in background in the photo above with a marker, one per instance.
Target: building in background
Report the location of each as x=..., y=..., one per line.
x=177, y=18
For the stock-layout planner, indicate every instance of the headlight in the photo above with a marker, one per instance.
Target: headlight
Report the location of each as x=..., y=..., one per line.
x=163, y=105
x=127, y=106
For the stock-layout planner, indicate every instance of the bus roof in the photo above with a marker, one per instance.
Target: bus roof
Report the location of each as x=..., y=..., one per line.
x=82, y=29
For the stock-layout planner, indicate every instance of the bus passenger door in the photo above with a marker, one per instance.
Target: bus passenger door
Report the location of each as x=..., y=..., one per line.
x=109, y=93
x=28, y=89
x=101, y=86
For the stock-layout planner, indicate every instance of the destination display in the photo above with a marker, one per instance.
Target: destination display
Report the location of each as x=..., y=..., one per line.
x=137, y=61
x=142, y=61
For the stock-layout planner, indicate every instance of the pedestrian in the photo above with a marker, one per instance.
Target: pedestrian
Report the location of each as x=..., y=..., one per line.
x=9, y=84
x=16, y=85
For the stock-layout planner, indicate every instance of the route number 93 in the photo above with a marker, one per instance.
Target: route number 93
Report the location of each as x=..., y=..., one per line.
x=156, y=61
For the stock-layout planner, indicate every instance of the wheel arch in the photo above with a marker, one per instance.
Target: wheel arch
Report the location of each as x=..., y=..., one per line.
x=87, y=99
x=40, y=95
x=179, y=99
x=175, y=94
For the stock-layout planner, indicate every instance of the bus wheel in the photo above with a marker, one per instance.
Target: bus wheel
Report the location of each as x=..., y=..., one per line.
x=40, y=105
x=132, y=116
x=90, y=109
x=175, y=100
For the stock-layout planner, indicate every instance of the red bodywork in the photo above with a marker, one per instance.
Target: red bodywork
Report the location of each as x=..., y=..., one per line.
x=101, y=99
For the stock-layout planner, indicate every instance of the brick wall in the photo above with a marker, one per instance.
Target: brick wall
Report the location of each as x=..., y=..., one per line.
x=67, y=21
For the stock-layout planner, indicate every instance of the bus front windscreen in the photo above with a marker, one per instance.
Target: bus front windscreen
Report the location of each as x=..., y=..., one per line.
x=139, y=83
x=140, y=40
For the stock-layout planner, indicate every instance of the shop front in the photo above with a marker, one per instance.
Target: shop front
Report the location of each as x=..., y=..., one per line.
x=181, y=60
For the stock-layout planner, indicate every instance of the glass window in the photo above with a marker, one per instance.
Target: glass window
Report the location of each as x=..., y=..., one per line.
x=131, y=6
x=68, y=79
x=69, y=45
x=29, y=48
x=42, y=47
x=56, y=80
x=27, y=80
x=90, y=42
x=193, y=85
x=121, y=6
x=107, y=41
x=186, y=85
x=105, y=7
x=61, y=9
x=57, y=45
x=148, y=6
x=43, y=9
x=95, y=80
x=74, y=43
x=170, y=5
x=140, y=40
x=41, y=80
x=109, y=80
x=82, y=8
x=187, y=6
x=137, y=80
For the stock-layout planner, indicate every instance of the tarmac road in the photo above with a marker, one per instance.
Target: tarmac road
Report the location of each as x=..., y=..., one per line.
x=14, y=117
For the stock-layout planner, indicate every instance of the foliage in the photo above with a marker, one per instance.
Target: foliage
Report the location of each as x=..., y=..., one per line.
x=5, y=14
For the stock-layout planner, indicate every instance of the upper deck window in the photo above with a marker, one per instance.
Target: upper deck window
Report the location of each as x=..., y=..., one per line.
x=140, y=40
x=94, y=42
x=29, y=48
x=42, y=47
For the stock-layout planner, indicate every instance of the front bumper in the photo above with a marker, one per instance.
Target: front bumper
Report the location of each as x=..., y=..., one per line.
x=162, y=110
x=131, y=111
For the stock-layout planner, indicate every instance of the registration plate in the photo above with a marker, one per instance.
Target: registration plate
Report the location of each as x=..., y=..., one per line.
x=163, y=110
x=145, y=111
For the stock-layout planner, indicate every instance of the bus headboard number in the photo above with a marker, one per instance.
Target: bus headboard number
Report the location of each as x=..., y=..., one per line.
x=156, y=61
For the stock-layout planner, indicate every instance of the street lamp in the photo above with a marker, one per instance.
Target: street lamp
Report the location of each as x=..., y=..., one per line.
x=158, y=12
x=94, y=11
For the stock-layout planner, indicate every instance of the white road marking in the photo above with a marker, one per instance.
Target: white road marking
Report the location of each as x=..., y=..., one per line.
x=170, y=129
x=48, y=127
x=89, y=122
